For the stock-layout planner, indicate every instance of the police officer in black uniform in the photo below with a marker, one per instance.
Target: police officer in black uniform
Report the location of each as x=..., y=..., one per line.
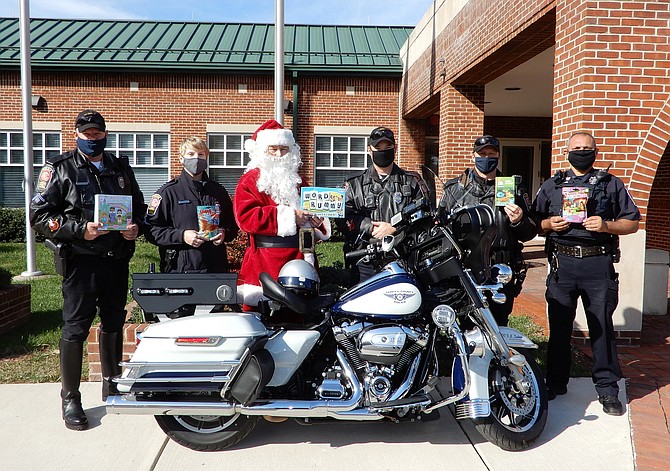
x=172, y=217
x=477, y=186
x=93, y=262
x=376, y=195
x=581, y=257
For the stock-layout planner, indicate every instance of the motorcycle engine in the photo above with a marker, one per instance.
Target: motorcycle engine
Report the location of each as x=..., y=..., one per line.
x=379, y=352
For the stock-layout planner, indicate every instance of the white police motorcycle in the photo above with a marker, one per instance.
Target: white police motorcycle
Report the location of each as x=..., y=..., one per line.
x=415, y=338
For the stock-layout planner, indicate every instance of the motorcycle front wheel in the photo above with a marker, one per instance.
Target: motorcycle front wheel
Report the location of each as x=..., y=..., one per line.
x=206, y=432
x=517, y=418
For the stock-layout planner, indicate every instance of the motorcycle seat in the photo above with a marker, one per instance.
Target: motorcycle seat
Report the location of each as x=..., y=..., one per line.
x=300, y=304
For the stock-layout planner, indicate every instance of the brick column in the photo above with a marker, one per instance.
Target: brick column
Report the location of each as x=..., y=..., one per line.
x=461, y=122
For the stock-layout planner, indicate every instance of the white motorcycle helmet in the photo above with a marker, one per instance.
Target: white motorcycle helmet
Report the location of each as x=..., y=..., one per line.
x=299, y=276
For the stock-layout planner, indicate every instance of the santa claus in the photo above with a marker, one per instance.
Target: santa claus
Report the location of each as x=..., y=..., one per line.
x=267, y=207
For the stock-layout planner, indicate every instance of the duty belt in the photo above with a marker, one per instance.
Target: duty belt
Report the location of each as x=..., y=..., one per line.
x=579, y=251
x=276, y=242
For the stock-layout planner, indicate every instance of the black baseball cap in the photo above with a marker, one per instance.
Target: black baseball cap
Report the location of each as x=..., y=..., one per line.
x=381, y=134
x=88, y=119
x=486, y=141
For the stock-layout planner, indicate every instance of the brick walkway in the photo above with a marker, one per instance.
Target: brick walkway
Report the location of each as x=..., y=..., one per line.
x=646, y=368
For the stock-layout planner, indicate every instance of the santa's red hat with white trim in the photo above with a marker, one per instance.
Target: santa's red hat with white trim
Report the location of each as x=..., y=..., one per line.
x=270, y=133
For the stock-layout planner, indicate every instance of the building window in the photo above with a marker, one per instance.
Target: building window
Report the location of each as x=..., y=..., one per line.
x=45, y=144
x=148, y=154
x=339, y=157
x=227, y=158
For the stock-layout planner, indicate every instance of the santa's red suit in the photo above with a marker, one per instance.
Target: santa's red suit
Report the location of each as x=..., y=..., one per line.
x=267, y=213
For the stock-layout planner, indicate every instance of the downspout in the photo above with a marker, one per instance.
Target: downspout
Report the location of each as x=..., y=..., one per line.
x=295, y=103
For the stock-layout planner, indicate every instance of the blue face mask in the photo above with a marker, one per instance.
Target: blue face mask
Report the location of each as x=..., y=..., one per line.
x=486, y=165
x=91, y=148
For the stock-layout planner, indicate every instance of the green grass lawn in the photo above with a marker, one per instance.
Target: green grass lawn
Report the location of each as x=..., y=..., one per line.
x=29, y=353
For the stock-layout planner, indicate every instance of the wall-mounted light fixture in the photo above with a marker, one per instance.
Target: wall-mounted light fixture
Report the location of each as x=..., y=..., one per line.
x=287, y=105
x=37, y=100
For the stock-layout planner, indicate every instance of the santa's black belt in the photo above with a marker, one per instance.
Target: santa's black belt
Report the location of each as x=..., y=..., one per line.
x=276, y=242
x=580, y=251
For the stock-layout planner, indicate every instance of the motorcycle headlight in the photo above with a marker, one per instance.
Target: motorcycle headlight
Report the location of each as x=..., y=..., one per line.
x=443, y=316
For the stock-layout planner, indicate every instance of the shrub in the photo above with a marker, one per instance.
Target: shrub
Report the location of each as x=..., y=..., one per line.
x=5, y=277
x=235, y=250
x=13, y=225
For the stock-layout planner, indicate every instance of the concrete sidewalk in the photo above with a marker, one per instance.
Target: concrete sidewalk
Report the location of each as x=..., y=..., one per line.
x=578, y=435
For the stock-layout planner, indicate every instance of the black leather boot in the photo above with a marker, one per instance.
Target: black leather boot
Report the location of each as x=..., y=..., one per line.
x=70, y=370
x=111, y=354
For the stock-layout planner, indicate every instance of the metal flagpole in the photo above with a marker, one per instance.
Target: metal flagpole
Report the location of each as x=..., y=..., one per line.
x=26, y=100
x=279, y=61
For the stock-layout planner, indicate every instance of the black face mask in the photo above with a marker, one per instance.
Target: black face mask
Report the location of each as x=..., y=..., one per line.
x=383, y=158
x=582, y=159
x=486, y=165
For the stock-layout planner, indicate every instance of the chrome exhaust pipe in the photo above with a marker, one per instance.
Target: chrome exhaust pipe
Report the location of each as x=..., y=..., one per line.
x=124, y=404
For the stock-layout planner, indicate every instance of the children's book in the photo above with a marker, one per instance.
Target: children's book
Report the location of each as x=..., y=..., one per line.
x=574, y=203
x=505, y=190
x=323, y=201
x=208, y=221
x=115, y=212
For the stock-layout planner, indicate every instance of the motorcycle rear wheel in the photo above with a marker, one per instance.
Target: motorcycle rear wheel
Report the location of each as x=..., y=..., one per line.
x=516, y=419
x=206, y=432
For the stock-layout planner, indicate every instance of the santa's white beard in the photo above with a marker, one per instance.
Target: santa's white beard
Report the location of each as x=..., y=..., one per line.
x=279, y=177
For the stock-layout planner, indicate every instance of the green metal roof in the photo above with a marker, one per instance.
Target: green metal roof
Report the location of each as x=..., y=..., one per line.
x=216, y=46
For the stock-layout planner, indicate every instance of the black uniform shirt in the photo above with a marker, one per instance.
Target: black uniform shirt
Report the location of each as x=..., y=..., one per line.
x=609, y=199
x=64, y=201
x=173, y=210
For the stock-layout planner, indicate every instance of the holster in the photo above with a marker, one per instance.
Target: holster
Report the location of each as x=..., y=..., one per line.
x=168, y=262
x=62, y=252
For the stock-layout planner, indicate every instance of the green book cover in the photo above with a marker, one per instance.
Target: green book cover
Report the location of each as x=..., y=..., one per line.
x=505, y=190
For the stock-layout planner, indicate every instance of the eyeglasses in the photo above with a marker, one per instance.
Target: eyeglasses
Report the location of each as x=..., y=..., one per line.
x=381, y=133
x=283, y=150
x=487, y=141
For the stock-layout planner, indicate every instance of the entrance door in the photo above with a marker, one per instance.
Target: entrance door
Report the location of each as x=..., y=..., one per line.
x=522, y=158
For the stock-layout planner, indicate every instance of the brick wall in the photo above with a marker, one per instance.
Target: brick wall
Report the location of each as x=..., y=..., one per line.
x=93, y=347
x=465, y=51
x=14, y=306
x=658, y=211
x=190, y=102
x=611, y=78
x=518, y=127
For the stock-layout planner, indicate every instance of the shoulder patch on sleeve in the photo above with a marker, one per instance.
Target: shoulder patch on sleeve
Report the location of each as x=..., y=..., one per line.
x=44, y=178
x=153, y=204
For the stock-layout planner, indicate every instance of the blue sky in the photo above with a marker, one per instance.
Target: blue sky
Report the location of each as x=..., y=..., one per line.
x=344, y=12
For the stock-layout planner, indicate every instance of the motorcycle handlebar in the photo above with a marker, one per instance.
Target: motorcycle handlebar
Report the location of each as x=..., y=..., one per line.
x=357, y=253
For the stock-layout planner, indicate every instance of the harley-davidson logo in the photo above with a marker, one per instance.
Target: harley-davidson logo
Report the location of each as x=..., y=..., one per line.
x=400, y=296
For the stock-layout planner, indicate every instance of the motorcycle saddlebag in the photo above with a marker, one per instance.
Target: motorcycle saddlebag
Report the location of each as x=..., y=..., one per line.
x=255, y=375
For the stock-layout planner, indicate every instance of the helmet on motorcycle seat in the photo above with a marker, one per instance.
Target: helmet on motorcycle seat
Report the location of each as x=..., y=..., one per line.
x=299, y=276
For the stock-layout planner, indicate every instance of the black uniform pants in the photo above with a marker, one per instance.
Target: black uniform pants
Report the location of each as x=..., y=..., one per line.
x=93, y=282
x=596, y=282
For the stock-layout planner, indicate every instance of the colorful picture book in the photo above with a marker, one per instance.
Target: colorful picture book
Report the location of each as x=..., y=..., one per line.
x=208, y=221
x=574, y=203
x=505, y=190
x=115, y=212
x=323, y=202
